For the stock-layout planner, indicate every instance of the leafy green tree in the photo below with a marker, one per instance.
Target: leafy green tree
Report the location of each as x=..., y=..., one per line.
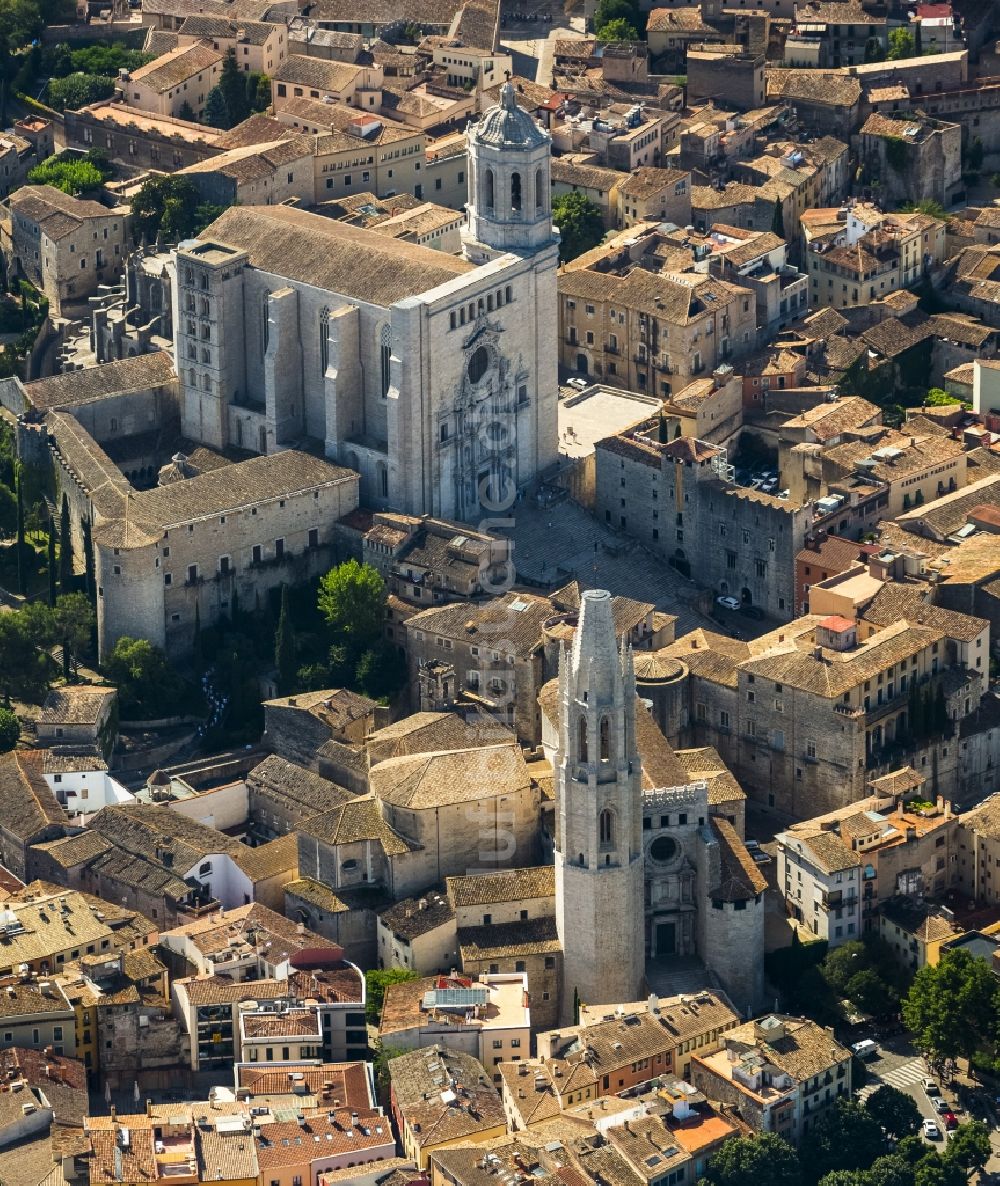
x=928, y=206
x=167, y=204
x=750, y=1161
x=844, y=1178
x=383, y=1055
x=233, y=85
x=72, y=177
x=258, y=92
x=936, y=398
x=204, y=215
x=51, y=562
x=21, y=547
x=608, y=11
x=215, y=113
x=24, y=669
x=148, y=687
x=618, y=30
x=870, y=993
x=845, y=1137
x=891, y=1170
x=844, y=962
x=20, y=22
x=79, y=90
x=352, y=599
x=935, y=1170
x=65, y=548
x=969, y=1146
x=106, y=58
x=901, y=44
x=75, y=621
x=10, y=730
x=894, y=1111
x=580, y=223
x=186, y=112
x=952, y=1006
x=377, y=980
x=381, y=671
x=88, y=561
x=284, y=647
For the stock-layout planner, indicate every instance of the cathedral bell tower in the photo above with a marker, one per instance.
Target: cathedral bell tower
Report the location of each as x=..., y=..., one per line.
x=599, y=860
x=510, y=200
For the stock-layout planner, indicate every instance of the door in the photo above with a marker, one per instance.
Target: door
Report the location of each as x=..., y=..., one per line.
x=666, y=938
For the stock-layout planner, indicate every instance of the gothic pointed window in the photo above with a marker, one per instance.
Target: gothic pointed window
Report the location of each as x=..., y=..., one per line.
x=515, y=191
x=324, y=340
x=264, y=324
x=539, y=192
x=582, y=739
x=385, y=357
x=489, y=191
x=606, y=828
x=605, y=739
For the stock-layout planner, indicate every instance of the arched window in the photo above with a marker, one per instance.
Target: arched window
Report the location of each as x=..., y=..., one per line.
x=382, y=478
x=385, y=356
x=515, y=191
x=582, y=739
x=606, y=828
x=324, y=340
x=489, y=190
x=539, y=191
x=605, y=739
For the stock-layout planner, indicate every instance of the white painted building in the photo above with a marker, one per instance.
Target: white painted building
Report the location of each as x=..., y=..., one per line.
x=820, y=878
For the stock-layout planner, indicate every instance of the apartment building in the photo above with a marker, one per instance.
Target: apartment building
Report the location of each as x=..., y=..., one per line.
x=836, y=871
x=178, y=80
x=678, y=497
x=979, y=852
x=303, y=77
x=779, y=1073
x=649, y=330
x=259, y=47
x=67, y=247
x=834, y=34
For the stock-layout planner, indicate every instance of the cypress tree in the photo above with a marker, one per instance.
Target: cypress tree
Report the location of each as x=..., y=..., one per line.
x=65, y=549
x=940, y=711
x=52, y=563
x=284, y=646
x=20, y=533
x=88, y=562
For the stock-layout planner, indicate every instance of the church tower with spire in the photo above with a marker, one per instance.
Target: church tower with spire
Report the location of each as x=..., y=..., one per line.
x=599, y=859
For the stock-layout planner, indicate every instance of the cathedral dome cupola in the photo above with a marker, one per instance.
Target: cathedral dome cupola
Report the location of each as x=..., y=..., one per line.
x=508, y=126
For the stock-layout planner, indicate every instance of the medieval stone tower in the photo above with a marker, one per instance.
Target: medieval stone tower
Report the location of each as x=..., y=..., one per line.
x=509, y=206
x=599, y=860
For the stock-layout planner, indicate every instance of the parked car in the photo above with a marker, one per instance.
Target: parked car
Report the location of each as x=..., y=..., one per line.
x=931, y=1130
x=728, y=602
x=865, y=1049
x=579, y=384
x=941, y=1106
x=950, y=1121
x=931, y=1088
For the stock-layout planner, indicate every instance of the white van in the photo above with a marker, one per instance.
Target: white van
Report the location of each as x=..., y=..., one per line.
x=865, y=1050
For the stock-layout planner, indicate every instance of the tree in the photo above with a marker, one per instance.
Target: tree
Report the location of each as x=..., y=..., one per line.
x=778, y=220
x=580, y=223
x=383, y=1055
x=284, y=647
x=186, y=112
x=969, y=1146
x=167, y=204
x=258, y=92
x=381, y=671
x=870, y=993
x=79, y=90
x=23, y=667
x=891, y=1170
x=845, y=1137
x=21, y=575
x=10, y=730
x=935, y=1170
x=894, y=1111
x=75, y=621
x=352, y=598
x=233, y=85
x=608, y=11
x=148, y=687
x=618, y=30
x=72, y=177
x=8, y=511
x=88, y=561
x=65, y=548
x=51, y=562
x=20, y=22
x=936, y=398
x=749, y=1161
x=844, y=962
x=951, y=1008
x=901, y=44
x=215, y=113
x=844, y=1178
x=377, y=980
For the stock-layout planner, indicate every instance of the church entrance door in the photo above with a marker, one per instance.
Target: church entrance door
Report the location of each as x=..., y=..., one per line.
x=666, y=938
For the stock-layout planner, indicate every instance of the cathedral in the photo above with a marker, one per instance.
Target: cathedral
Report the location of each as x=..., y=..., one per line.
x=645, y=871
x=433, y=376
